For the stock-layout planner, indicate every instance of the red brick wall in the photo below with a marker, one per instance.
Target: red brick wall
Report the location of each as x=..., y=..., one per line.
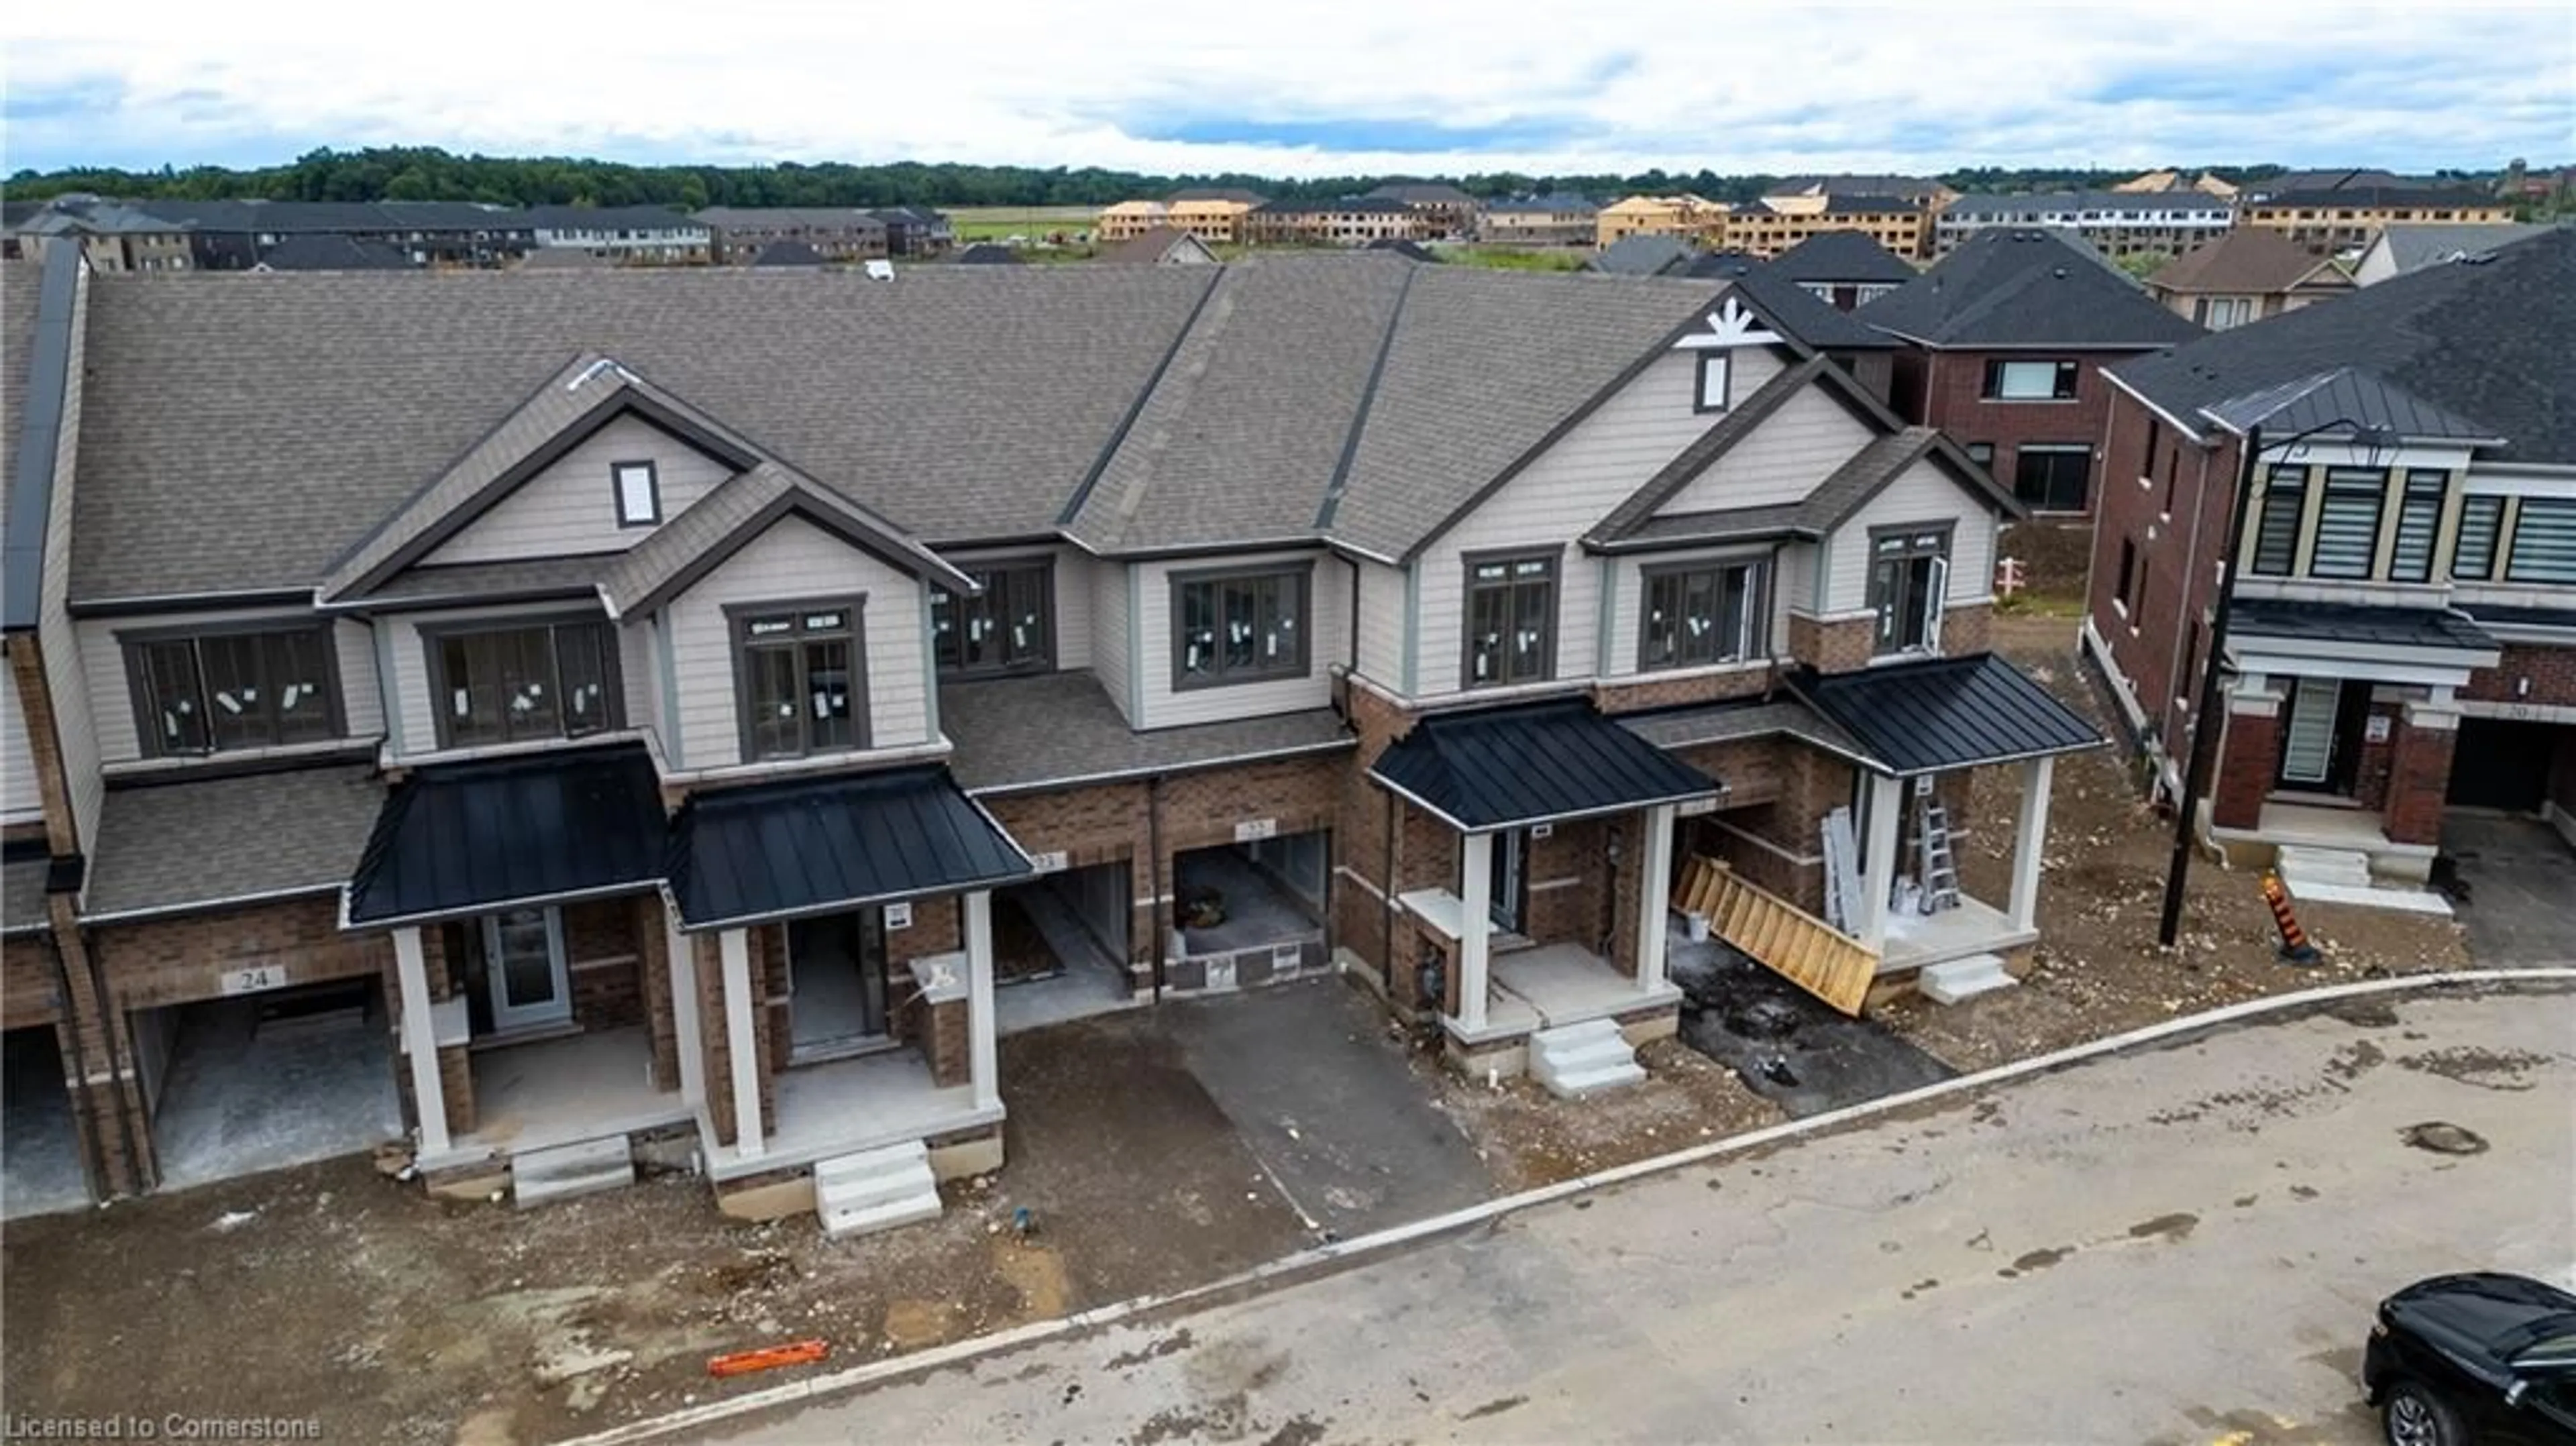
x=1831, y=647
x=2180, y=576
x=1952, y=399
x=2370, y=776
x=170, y=961
x=2419, y=777
x=1651, y=690
x=31, y=981
x=2249, y=754
x=2552, y=672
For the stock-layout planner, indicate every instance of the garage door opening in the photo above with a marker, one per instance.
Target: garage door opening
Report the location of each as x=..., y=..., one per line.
x=1248, y=913
x=263, y=1081
x=2503, y=763
x=1060, y=947
x=40, y=1165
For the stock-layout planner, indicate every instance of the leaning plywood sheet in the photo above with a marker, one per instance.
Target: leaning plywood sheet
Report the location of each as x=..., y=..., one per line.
x=1800, y=947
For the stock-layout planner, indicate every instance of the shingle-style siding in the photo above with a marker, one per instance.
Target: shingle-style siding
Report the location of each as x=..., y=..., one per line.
x=19, y=798
x=1328, y=631
x=1560, y=495
x=1628, y=595
x=1109, y=633
x=1381, y=624
x=571, y=506
x=75, y=737
x=1792, y=450
x=1923, y=494
x=795, y=561
x=110, y=701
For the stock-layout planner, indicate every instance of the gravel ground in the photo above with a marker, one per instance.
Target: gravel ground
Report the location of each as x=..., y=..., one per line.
x=1528, y=1137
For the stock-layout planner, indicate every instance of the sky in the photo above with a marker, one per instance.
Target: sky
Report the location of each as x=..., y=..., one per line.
x=1299, y=87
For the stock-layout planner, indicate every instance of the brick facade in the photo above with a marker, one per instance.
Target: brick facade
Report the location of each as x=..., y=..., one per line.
x=2176, y=531
x=2550, y=672
x=1832, y=647
x=2248, y=755
x=1946, y=389
x=2419, y=779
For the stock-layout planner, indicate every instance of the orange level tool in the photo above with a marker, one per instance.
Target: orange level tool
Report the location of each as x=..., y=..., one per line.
x=743, y=1363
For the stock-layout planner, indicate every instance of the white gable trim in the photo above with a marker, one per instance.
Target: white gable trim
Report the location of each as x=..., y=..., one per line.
x=1731, y=325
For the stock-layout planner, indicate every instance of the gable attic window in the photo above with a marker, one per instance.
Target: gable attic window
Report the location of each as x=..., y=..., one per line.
x=639, y=493
x=2030, y=381
x=223, y=689
x=523, y=683
x=1713, y=377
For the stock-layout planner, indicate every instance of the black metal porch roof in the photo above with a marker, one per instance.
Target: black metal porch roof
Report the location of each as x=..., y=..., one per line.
x=1505, y=767
x=466, y=838
x=810, y=846
x=1946, y=713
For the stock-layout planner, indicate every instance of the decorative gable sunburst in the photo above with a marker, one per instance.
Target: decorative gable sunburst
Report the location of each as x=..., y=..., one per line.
x=1732, y=324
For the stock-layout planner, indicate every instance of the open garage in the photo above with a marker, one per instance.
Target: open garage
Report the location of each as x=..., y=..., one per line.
x=262, y=1081
x=1248, y=912
x=1060, y=946
x=40, y=1164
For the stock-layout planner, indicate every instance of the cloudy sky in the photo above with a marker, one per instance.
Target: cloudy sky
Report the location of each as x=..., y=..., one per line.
x=1299, y=87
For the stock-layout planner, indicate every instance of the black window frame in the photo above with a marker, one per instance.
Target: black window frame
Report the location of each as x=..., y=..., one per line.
x=739, y=620
x=2147, y=462
x=1218, y=580
x=2350, y=482
x=2562, y=544
x=2065, y=384
x=144, y=686
x=2420, y=501
x=1983, y=454
x=1676, y=575
x=611, y=680
x=1509, y=559
x=652, y=491
x=2485, y=514
x=1724, y=364
x=2128, y=579
x=2285, y=481
x=2046, y=501
x=1936, y=603
x=950, y=614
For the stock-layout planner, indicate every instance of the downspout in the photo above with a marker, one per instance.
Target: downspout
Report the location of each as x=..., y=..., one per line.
x=1154, y=879
x=142, y=1179
x=1351, y=644
x=1386, y=898
x=2191, y=589
x=94, y=1157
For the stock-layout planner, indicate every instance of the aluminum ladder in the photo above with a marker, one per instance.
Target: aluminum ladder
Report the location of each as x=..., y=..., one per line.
x=1940, y=867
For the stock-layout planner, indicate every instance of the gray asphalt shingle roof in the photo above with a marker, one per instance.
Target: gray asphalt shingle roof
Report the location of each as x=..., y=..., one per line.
x=2484, y=340
x=1841, y=256
x=2013, y=287
x=17, y=347
x=1014, y=733
x=2411, y=247
x=204, y=841
x=1643, y=256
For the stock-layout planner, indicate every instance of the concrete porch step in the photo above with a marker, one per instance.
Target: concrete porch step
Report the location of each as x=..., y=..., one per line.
x=1958, y=979
x=2370, y=896
x=566, y=1171
x=2344, y=868
x=875, y=1189
x=1573, y=1060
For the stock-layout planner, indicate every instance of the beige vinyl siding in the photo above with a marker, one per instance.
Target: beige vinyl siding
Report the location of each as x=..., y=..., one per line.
x=1627, y=598
x=1922, y=494
x=1109, y=631
x=1793, y=589
x=1327, y=639
x=362, y=700
x=21, y=798
x=1795, y=448
x=110, y=700
x=75, y=709
x=640, y=676
x=571, y=506
x=1560, y=495
x=795, y=561
x=1381, y=640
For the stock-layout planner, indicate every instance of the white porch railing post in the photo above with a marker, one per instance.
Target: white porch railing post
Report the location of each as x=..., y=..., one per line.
x=1878, y=879
x=741, y=1042
x=2029, y=841
x=1475, y=925
x=420, y=1040
x=1654, y=916
x=680, y=955
x=983, y=1065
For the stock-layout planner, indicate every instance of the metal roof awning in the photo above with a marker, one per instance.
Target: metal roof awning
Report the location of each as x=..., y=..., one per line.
x=1506, y=767
x=1945, y=713
x=2429, y=629
x=469, y=838
x=784, y=850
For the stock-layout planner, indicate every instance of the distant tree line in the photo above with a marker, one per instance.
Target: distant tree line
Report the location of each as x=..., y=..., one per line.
x=429, y=174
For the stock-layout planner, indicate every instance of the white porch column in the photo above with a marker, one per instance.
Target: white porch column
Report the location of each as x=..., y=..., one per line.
x=1886, y=810
x=1654, y=913
x=983, y=1065
x=420, y=1040
x=1475, y=924
x=679, y=955
x=2029, y=839
x=741, y=1043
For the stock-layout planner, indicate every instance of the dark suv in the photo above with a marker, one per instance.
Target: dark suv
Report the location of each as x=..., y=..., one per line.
x=2474, y=1358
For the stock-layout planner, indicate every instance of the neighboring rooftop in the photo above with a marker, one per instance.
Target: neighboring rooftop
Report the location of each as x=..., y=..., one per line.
x=1643, y=256
x=1155, y=246
x=1560, y=203
x=2008, y=287
x=2250, y=260
x=2031, y=206
x=987, y=253
x=2414, y=245
x=1422, y=193
x=1842, y=256
x=332, y=251
x=789, y=252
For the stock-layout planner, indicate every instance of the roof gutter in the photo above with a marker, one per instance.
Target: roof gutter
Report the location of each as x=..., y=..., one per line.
x=2150, y=403
x=49, y=386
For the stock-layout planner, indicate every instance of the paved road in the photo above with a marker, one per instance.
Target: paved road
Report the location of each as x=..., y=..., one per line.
x=2180, y=1246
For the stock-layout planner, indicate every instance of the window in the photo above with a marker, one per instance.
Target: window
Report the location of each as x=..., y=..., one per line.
x=2276, y=535
x=1908, y=570
x=2147, y=458
x=210, y=692
x=1982, y=453
x=2128, y=579
x=1239, y=627
x=1511, y=620
x=1700, y=613
x=801, y=678
x=2052, y=477
x=2030, y=381
x=639, y=494
x=2419, y=519
x=2473, y=551
x=2544, y=541
x=2348, y=523
x=2219, y=313
x=1009, y=627
x=1712, y=382
x=518, y=684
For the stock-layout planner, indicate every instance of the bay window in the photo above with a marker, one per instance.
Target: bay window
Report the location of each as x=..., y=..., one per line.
x=1238, y=627
x=800, y=670
x=1511, y=620
x=231, y=689
x=1700, y=613
x=524, y=682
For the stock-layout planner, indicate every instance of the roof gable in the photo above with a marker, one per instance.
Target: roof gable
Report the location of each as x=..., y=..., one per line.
x=733, y=516
x=1842, y=256
x=2250, y=259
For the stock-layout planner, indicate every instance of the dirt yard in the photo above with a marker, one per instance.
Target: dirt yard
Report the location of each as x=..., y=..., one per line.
x=1528, y=1137
x=2097, y=969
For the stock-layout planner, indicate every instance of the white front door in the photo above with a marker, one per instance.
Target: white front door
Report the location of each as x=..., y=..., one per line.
x=523, y=961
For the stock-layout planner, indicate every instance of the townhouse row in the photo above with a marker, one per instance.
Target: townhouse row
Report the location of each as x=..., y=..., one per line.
x=604, y=722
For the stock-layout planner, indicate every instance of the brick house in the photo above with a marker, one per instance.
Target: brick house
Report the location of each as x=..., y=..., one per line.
x=2404, y=633
x=528, y=758
x=2005, y=341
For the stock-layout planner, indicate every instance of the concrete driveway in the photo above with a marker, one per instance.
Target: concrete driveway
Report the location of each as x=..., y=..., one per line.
x=2521, y=875
x=1328, y=1104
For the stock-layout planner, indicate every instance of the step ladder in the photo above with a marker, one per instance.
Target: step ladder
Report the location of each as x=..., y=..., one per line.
x=1842, y=875
x=875, y=1190
x=1940, y=869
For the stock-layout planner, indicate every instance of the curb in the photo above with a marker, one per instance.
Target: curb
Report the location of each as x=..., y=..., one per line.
x=1363, y=1246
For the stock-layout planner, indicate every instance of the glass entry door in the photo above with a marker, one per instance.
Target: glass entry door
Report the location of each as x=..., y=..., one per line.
x=523, y=956
x=1509, y=880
